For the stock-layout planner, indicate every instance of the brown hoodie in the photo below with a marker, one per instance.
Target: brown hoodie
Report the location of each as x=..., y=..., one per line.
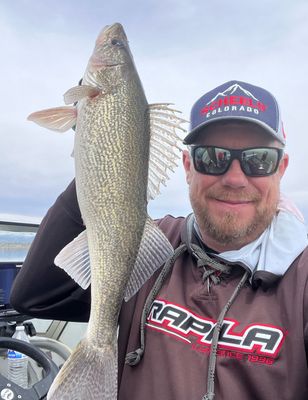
x=262, y=352
x=262, y=347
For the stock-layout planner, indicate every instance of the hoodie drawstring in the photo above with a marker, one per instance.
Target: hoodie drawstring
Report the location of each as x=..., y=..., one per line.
x=134, y=357
x=210, y=394
x=203, y=260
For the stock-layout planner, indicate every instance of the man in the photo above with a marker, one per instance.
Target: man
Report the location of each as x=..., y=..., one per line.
x=226, y=316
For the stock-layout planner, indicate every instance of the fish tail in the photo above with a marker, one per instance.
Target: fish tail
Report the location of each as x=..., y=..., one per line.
x=89, y=373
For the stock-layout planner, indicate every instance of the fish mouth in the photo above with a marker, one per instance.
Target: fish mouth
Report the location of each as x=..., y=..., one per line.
x=97, y=65
x=114, y=30
x=111, y=35
x=109, y=65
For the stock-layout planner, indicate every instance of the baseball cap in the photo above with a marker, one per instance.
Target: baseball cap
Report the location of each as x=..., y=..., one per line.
x=236, y=100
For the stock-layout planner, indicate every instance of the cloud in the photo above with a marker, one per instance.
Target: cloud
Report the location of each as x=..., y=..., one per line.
x=181, y=49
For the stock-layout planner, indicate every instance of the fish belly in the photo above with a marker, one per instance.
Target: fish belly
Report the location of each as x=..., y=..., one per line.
x=111, y=156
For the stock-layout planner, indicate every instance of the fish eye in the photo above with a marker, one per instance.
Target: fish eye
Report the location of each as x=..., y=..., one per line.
x=116, y=42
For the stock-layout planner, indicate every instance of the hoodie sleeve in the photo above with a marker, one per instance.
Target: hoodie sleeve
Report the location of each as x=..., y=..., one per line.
x=41, y=289
x=306, y=319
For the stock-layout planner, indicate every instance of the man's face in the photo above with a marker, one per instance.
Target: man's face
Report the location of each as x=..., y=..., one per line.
x=233, y=209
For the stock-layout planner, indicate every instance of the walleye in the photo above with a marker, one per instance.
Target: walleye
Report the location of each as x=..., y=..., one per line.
x=123, y=149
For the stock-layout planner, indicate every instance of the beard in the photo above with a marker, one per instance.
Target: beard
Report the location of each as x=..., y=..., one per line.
x=229, y=228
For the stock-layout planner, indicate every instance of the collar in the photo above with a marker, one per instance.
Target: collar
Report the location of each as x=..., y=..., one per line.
x=275, y=250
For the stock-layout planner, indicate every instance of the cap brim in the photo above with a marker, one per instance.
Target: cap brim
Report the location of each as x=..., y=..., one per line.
x=190, y=138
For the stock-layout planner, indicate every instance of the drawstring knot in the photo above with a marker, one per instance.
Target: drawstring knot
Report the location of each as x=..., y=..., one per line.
x=208, y=396
x=211, y=274
x=212, y=268
x=134, y=357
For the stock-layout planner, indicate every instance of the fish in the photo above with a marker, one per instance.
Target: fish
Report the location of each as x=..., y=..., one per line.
x=124, y=149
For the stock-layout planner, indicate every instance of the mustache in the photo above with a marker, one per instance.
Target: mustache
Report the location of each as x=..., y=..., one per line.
x=229, y=195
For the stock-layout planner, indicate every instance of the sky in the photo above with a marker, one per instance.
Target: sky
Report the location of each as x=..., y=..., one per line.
x=182, y=49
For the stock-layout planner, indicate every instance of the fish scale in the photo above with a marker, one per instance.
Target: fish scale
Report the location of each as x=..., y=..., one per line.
x=120, y=119
x=115, y=176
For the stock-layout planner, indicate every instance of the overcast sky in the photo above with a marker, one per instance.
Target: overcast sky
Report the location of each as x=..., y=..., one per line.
x=182, y=48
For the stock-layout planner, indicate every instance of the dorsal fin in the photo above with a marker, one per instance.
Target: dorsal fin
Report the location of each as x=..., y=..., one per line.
x=164, y=145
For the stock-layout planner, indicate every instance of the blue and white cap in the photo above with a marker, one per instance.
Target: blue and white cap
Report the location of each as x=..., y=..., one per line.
x=239, y=101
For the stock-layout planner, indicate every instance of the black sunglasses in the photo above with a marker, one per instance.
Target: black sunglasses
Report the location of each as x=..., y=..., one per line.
x=255, y=161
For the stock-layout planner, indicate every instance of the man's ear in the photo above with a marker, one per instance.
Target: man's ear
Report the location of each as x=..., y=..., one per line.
x=188, y=166
x=283, y=165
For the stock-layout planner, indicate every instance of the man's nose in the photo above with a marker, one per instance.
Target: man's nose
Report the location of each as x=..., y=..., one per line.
x=235, y=177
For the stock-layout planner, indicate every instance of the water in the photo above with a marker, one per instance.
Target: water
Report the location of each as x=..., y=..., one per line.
x=18, y=371
x=18, y=362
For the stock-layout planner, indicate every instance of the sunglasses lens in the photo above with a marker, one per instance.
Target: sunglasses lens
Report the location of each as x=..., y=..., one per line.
x=259, y=161
x=211, y=160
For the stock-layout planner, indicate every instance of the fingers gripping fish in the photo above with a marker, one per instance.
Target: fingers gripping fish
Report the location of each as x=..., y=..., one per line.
x=123, y=150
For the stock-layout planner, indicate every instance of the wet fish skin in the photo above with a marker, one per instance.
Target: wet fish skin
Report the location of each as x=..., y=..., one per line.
x=112, y=157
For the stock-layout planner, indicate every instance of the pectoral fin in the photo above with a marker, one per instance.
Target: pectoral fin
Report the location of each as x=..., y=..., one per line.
x=154, y=250
x=59, y=119
x=77, y=93
x=74, y=259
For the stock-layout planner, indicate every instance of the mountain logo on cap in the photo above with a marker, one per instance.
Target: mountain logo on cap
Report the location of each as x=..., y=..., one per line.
x=234, y=99
x=230, y=90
